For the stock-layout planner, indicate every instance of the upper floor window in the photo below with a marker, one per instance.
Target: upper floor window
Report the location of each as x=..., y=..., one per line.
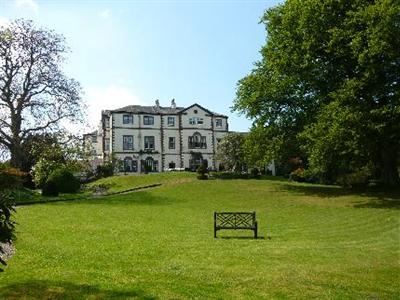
x=107, y=122
x=171, y=142
x=127, y=142
x=148, y=120
x=171, y=121
x=149, y=142
x=218, y=122
x=197, y=141
x=107, y=144
x=127, y=119
x=196, y=120
x=94, y=138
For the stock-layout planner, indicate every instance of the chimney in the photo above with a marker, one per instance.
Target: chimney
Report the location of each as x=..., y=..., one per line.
x=173, y=105
x=157, y=103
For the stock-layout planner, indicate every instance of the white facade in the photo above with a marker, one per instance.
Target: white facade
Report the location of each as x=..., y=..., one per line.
x=155, y=138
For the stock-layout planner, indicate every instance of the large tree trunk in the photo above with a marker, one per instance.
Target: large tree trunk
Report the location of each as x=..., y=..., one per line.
x=388, y=166
x=16, y=160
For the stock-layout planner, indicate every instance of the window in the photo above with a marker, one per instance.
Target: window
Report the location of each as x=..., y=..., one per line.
x=149, y=142
x=171, y=121
x=107, y=122
x=195, y=121
x=148, y=120
x=149, y=165
x=171, y=165
x=171, y=142
x=107, y=144
x=218, y=122
x=129, y=165
x=128, y=142
x=94, y=138
x=196, y=141
x=127, y=119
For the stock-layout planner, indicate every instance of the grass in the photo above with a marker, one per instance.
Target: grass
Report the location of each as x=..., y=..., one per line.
x=317, y=242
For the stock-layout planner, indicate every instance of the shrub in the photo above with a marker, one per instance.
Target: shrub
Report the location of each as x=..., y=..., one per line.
x=10, y=181
x=357, y=179
x=201, y=171
x=105, y=170
x=50, y=189
x=255, y=173
x=43, y=169
x=64, y=180
x=301, y=175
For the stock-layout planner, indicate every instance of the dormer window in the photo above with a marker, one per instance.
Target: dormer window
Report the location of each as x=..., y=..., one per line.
x=127, y=119
x=218, y=122
x=196, y=121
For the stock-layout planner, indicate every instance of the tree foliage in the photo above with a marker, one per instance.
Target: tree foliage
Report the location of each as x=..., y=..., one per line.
x=231, y=153
x=35, y=95
x=327, y=87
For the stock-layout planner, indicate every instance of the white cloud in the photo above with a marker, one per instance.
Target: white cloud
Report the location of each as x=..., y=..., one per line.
x=108, y=97
x=28, y=4
x=105, y=14
x=4, y=22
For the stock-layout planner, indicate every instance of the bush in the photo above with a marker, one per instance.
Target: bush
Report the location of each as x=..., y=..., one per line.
x=105, y=170
x=301, y=175
x=201, y=171
x=255, y=173
x=64, y=181
x=43, y=169
x=358, y=179
x=50, y=189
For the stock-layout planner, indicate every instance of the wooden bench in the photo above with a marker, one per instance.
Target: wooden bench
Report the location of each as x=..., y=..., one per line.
x=235, y=220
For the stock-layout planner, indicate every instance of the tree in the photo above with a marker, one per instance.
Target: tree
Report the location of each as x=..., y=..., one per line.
x=52, y=152
x=230, y=152
x=328, y=86
x=35, y=95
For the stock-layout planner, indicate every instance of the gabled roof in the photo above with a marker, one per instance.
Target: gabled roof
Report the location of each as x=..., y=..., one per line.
x=203, y=108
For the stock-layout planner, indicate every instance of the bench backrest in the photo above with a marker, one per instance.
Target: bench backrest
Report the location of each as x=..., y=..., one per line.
x=233, y=220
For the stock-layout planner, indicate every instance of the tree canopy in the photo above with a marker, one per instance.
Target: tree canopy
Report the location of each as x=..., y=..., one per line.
x=35, y=95
x=328, y=87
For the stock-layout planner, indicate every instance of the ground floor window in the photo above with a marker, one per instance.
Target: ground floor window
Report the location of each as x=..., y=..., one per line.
x=171, y=165
x=130, y=165
x=149, y=165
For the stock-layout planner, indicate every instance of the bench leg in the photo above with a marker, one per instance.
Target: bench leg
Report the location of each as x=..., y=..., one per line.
x=215, y=232
x=255, y=230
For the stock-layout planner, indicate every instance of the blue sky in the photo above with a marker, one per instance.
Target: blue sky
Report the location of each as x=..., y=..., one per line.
x=133, y=52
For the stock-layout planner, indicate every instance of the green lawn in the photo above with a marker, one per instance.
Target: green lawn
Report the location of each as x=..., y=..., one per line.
x=317, y=242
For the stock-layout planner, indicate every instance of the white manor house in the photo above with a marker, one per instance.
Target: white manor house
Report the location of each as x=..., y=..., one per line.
x=157, y=138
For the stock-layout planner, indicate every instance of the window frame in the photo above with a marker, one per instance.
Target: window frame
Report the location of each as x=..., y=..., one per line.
x=168, y=121
x=171, y=138
x=125, y=145
x=196, y=121
x=146, y=120
x=146, y=141
x=218, y=123
x=197, y=141
x=127, y=119
x=106, y=144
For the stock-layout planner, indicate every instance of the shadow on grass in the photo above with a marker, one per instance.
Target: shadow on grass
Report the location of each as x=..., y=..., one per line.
x=38, y=289
x=378, y=198
x=242, y=238
x=135, y=198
